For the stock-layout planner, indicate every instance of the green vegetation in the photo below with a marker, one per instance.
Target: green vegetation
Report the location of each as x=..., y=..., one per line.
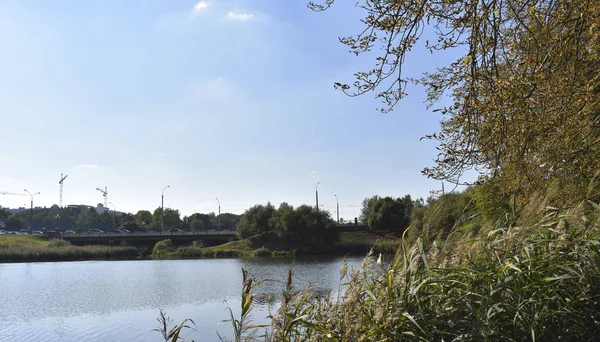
x=30, y=248
x=304, y=228
x=520, y=100
x=511, y=283
x=255, y=246
x=363, y=241
x=516, y=256
x=80, y=218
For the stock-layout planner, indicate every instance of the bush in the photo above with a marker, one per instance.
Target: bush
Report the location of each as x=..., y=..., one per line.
x=58, y=243
x=445, y=213
x=162, y=247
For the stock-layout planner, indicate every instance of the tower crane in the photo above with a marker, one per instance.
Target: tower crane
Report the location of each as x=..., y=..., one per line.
x=105, y=195
x=11, y=193
x=6, y=193
x=62, y=179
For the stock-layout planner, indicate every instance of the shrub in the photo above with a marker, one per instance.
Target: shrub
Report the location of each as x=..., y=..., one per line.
x=162, y=247
x=58, y=243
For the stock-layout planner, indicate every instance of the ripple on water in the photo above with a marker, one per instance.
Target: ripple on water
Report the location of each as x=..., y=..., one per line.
x=120, y=300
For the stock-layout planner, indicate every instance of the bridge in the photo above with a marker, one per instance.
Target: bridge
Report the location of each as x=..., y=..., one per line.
x=201, y=238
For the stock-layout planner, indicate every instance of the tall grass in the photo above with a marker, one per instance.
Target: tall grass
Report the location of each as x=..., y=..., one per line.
x=65, y=253
x=537, y=283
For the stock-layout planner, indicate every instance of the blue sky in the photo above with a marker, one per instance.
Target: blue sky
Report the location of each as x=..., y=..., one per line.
x=218, y=98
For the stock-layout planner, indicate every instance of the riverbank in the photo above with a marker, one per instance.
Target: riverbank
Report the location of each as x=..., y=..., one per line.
x=350, y=242
x=33, y=248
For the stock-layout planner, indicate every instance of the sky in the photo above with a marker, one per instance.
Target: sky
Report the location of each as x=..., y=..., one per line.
x=217, y=99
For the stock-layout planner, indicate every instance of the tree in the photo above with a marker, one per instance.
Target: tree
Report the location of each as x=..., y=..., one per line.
x=256, y=220
x=3, y=214
x=390, y=214
x=309, y=227
x=281, y=220
x=143, y=218
x=524, y=92
x=198, y=221
x=16, y=222
x=229, y=221
x=172, y=218
x=367, y=206
x=130, y=225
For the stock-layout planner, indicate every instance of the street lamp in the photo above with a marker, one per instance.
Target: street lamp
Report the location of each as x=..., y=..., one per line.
x=57, y=218
x=162, y=209
x=317, y=195
x=338, y=210
x=219, y=216
x=31, y=209
x=114, y=217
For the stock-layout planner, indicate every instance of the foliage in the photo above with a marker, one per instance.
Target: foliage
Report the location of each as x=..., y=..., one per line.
x=309, y=227
x=33, y=248
x=4, y=214
x=58, y=243
x=16, y=222
x=390, y=214
x=171, y=334
x=243, y=329
x=524, y=90
x=492, y=203
x=367, y=207
x=445, y=213
x=387, y=213
x=130, y=225
x=525, y=283
x=247, y=248
x=256, y=220
x=162, y=246
x=143, y=218
x=364, y=241
x=172, y=218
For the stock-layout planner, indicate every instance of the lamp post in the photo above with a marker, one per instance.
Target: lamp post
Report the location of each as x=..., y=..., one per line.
x=57, y=218
x=338, y=209
x=114, y=217
x=31, y=208
x=317, y=195
x=162, y=209
x=219, y=215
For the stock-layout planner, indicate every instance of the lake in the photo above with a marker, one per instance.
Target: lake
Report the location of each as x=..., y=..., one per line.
x=120, y=300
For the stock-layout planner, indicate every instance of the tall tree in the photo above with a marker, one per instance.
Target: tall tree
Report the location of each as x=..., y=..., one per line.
x=198, y=221
x=390, y=214
x=524, y=91
x=256, y=220
x=16, y=222
x=172, y=218
x=143, y=218
x=367, y=207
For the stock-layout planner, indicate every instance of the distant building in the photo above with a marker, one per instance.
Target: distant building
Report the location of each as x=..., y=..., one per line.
x=100, y=208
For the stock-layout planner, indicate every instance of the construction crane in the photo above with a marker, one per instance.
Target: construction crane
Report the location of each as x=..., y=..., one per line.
x=6, y=193
x=11, y=193
x=105, y=195
x=62, y=179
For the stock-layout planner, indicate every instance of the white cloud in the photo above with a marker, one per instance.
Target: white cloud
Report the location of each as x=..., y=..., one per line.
x=201, y=6
x=314, y=172
x=239, y=16
x=88, y=166
x=160, y=154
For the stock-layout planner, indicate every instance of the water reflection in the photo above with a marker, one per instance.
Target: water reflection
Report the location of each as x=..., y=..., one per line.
x=119, y=300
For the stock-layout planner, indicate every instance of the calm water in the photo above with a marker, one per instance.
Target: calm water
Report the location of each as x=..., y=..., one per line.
x=120, y=300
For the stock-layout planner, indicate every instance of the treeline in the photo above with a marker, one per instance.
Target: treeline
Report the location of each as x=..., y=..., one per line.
x=82, y=218
x=289, y=227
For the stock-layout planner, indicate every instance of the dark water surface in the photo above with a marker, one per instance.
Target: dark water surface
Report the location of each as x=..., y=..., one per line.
x=120, y=300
